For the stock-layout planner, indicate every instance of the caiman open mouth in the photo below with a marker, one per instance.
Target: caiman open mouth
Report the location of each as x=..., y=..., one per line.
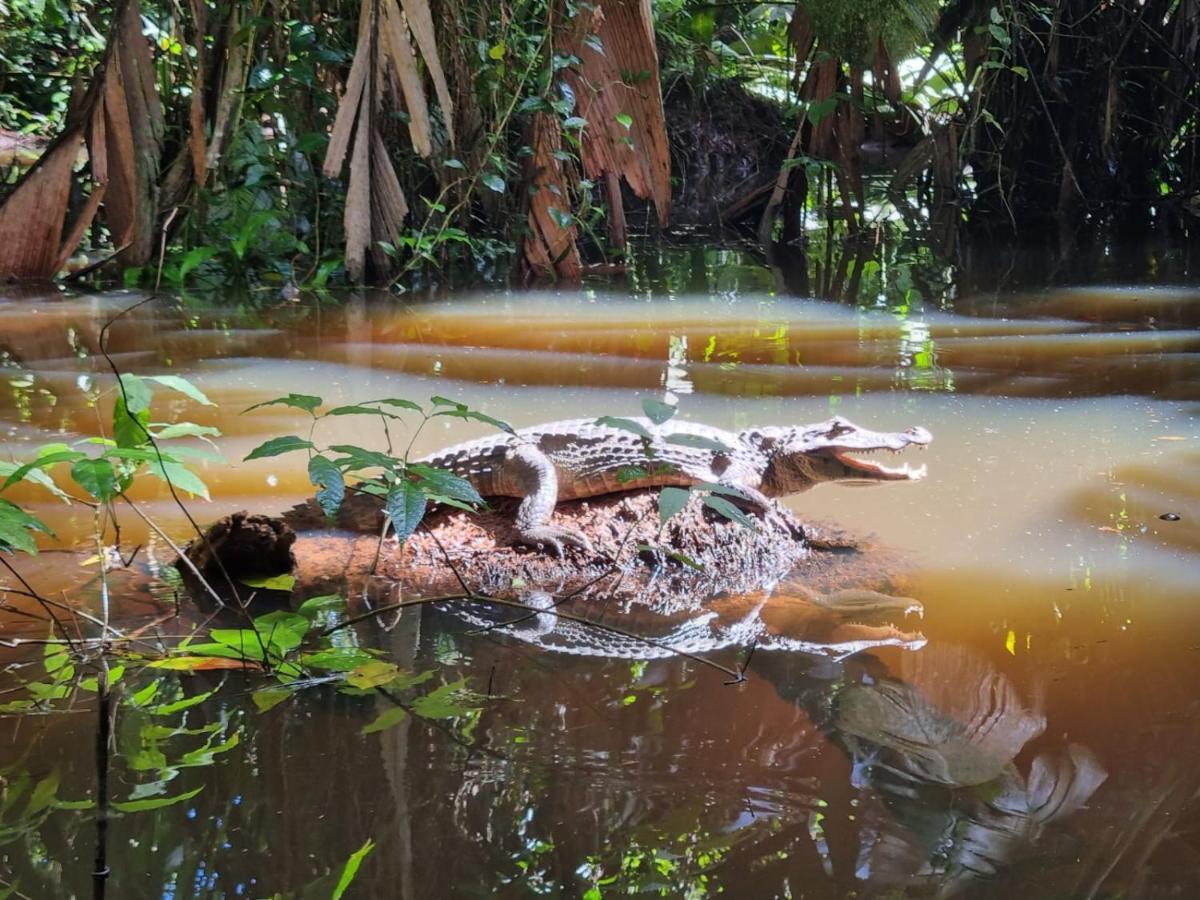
x=851, y=458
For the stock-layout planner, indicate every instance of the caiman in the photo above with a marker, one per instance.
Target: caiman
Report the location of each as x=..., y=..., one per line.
x=580, y=458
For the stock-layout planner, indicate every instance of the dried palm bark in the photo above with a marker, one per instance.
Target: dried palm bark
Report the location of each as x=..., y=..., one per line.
x=617, y=90
x=121, y=120
x=384, y=68
x=550, y=250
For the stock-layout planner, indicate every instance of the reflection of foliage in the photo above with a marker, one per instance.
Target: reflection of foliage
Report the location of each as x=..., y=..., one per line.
x=675, y=866
x=852, y=30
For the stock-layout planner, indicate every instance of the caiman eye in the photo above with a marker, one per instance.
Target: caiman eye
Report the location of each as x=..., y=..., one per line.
x=838, y=429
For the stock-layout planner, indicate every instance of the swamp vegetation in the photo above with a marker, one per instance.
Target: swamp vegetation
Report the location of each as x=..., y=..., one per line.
x=261, y=253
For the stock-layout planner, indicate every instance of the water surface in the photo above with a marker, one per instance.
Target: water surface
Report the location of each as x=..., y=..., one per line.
x=1042, y=741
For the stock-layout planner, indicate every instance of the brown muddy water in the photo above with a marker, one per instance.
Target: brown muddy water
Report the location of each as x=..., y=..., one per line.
x=1043, y=742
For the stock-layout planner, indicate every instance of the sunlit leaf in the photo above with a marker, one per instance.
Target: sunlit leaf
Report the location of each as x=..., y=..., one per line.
x=130, y=429
x=449, y=701
x=279, y=445
x=43, y=461
x=306, y=402
x=372, y=674
x=135, y=392
x=179, y=476
x=337, y=659
x=350, y=870
x=400, y=402
x=386, y=719
x=493, y=182
x=186, y=429
x=37, y=476
x=271, y=582
x=478, y=417
x=315, y=606
x=357, y=411
x=130, y=806
x=183, y=386
x=269, y=698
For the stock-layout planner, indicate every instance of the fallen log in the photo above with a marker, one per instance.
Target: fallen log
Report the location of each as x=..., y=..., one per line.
x=698, y=583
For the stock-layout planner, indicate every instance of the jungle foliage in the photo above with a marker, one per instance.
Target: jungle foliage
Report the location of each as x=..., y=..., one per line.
x=302, y=142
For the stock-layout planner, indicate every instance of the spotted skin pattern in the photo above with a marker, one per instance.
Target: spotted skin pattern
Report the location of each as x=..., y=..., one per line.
x=581, y=458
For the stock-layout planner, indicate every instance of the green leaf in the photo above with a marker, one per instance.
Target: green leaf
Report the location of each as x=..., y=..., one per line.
x=358, y=458
x=280, y=445
x=574, y=122
x=399, y=402
x=315, y=606
x=357, y=411
x=372, y=674
x=331, y=483
x=183, y=386
x=626, y=474
x=269, y=698
x=306, y=402
x=405, y=507
x=439, y=481
x=34, y=474
x=385, y=719
x=446, y=702
x=723, y=489
x=179, y=476
x=337, y=659
x=626, y=425
x=185, y=429
x=43, y=461
x=463, y=413
x=670, y=501
x=350, y=870
x=697, y=442
x=681, y=557
x=135, y=392
x=657, y=411
x=624, y=119
x=96, y=476
x=724, y=508
x=194, y=259
x=271, y=582
x=130, y=429
x=493, y=182
x=818, y=111
x=16, y=527
x=454, y=164
x=496, y=51
x=129, y=806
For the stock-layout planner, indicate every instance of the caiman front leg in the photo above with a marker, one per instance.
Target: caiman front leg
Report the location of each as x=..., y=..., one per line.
x=538, y=482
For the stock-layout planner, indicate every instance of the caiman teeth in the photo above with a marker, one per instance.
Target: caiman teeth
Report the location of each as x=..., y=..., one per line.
x=904, y=472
